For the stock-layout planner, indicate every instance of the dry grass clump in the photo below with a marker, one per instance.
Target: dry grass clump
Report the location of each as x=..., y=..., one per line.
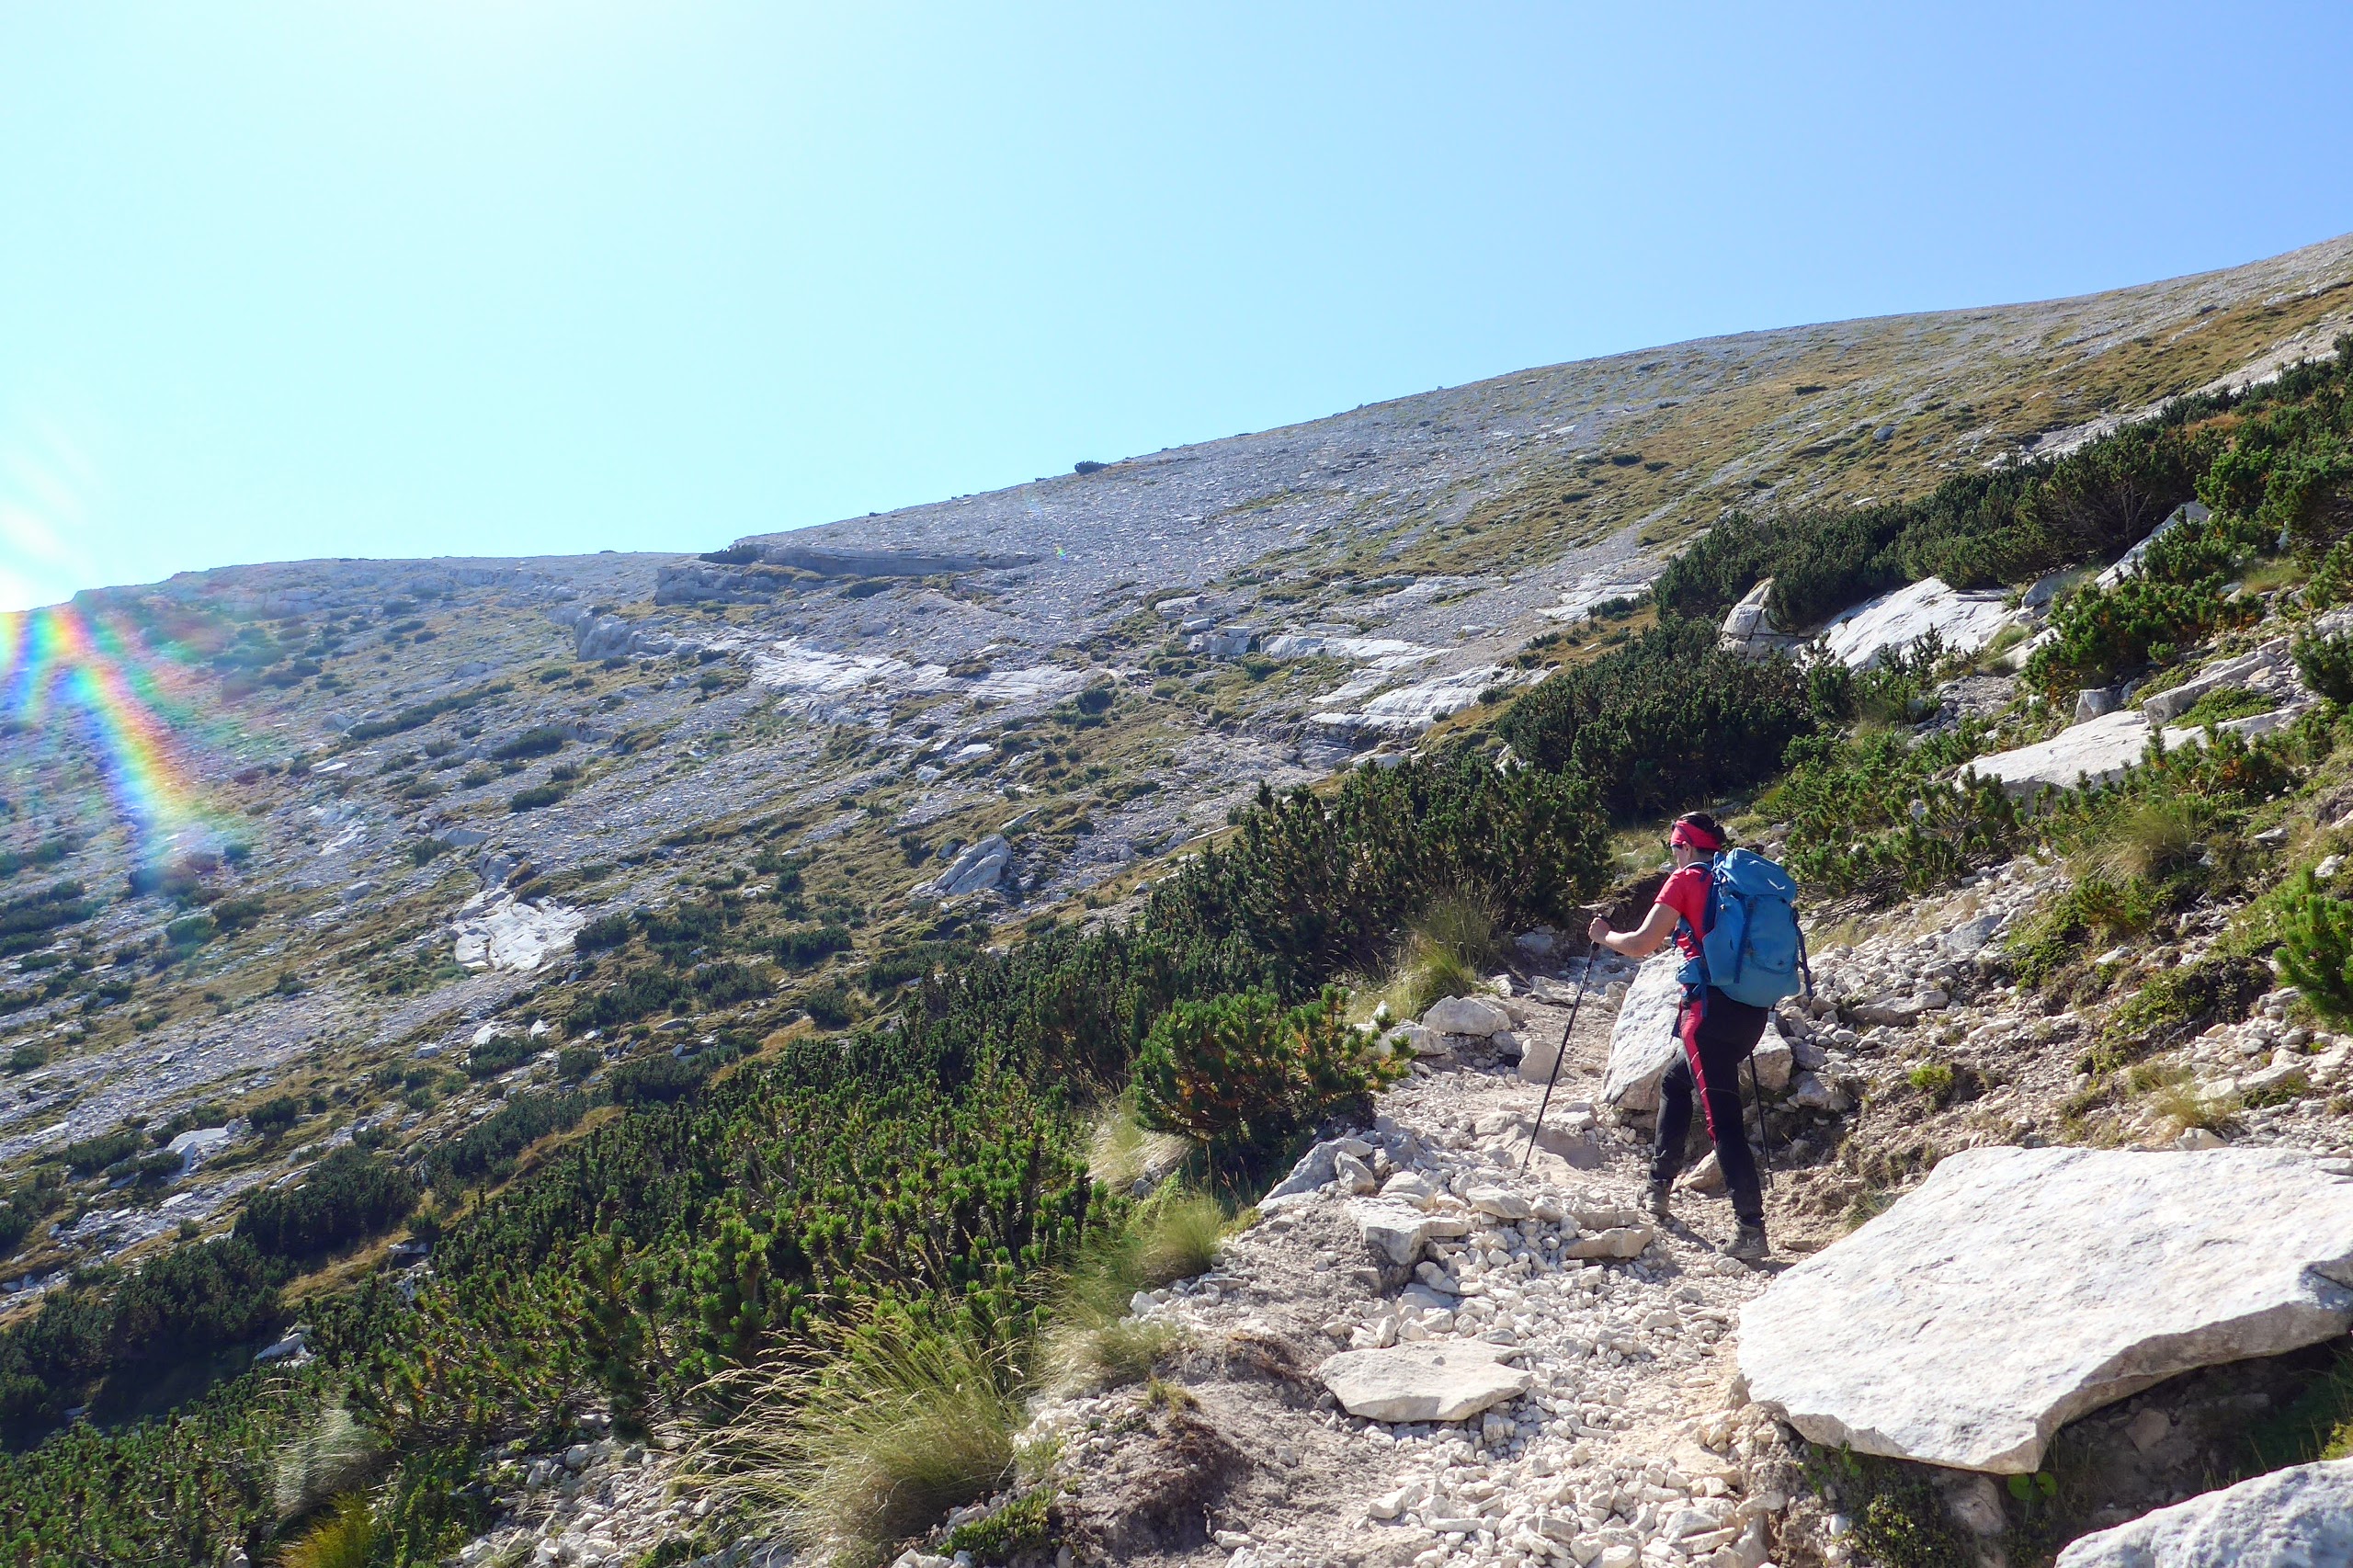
x=1444, y=953
x=855, y=1452
x=1094, y=1343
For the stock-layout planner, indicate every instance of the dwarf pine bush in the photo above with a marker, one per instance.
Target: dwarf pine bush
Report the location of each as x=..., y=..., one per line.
x=2316, y=947
x=1239, y=1073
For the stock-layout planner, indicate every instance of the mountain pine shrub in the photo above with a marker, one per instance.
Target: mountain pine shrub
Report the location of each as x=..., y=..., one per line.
x=1240, y=1075
x=2326, y=665
x=2316, y=947
x=1667, y=721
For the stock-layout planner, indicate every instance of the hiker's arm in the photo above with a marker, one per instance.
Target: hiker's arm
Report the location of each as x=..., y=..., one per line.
x=1641, y=942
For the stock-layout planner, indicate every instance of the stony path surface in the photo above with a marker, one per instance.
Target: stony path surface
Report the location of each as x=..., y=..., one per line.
x=1626, y=1446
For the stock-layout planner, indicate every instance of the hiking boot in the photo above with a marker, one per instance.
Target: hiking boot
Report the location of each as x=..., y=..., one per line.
x=1747, y=1243
x=1655, y=1202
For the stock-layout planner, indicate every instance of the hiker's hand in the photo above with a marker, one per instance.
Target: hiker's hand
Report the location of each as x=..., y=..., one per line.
x=1598, y=932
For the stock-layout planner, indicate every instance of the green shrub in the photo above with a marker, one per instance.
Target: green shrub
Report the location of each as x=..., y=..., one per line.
x=1668, y=721
x=1240, y=1075
x=1933, y=1080
x=347, y=1196
x=1874, y=816
x=574, y=1062
x=274, y=1115
x=2326, y=665
x=604, y=931
x=806, y=946
x=829, y=1006
x=500, y=1053
x=2316, y=947
x=1023, y=1525
x=545, y=740
x=535, y=797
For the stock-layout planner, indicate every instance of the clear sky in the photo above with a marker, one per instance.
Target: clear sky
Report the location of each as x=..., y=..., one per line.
x=518, y=277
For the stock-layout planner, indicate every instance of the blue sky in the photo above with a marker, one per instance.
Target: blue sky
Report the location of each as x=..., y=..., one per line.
x=512, y=276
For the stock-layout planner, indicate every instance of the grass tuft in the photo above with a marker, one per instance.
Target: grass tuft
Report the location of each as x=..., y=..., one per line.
x=1094, y=1343
x=347, y=1538
x=855, y=1453
x=1444, y=954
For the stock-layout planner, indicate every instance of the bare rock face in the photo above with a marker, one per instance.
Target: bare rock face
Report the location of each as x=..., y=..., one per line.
x=1431, y=1381
x=2017, y=1288
x=2095, y=751
x=2298, y=1517
x=1642, y=1042
x=1890, y=624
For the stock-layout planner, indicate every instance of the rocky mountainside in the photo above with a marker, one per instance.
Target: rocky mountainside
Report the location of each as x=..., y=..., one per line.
x=456, y=864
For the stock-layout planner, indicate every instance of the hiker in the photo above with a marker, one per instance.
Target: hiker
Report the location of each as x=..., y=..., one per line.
x=1717, y=1032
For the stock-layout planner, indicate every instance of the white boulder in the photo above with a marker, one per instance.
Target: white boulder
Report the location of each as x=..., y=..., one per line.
x=2298, y=1517
x=1642, y=1042
x=1863, y=636
x=2017, y=1288
x=1399, y=1231
x=976, y=869
x=1426, y=1381
x=496, y=930
x=1467, y=1015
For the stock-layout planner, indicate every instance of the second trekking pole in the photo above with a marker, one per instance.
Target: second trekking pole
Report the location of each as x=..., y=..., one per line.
x=1583, y=975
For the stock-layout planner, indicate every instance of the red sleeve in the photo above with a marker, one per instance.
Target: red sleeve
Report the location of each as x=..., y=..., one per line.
x=1686, y=892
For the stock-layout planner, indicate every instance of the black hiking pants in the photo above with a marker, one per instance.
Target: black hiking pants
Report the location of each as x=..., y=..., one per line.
x=1718, y=1035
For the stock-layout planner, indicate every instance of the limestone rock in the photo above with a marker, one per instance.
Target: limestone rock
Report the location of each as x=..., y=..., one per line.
x=1642, y=1042
x=1748, y=627
x=1867, y=634
x=1617, y=1241
x=1409, y=1187
x=1815, y=1093
x=1428, y=1381
x=1313, y=1170
x=1352, y=1174
x=2098, y=749
x=496, y=930
x=2017, y=1288
x=1773, y=1062
x=1467, y=1015
x=1399, y=1231
x=1497, y=1203
x=2298, y=1517
x=976, y=870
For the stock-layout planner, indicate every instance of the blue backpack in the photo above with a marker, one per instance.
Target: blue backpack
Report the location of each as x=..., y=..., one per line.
x=1753, y=951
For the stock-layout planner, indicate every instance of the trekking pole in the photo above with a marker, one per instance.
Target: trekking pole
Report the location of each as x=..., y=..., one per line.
x=1764, y=1135
x=1584, y=976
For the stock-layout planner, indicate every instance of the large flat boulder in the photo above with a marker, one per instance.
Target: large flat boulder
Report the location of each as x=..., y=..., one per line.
x=1868, y=633
x=2017, y=1288
x=1444, y=1379
x=1641, y=1041
x=2095, y=751
x=2301, y=1518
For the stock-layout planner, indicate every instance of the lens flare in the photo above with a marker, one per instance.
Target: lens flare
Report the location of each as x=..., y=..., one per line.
x=62, y=667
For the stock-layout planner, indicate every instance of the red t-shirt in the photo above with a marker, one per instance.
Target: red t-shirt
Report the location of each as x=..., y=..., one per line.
x=1686, y=892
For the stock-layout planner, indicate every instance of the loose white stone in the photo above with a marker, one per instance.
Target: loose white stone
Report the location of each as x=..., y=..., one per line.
x=1434, y=1380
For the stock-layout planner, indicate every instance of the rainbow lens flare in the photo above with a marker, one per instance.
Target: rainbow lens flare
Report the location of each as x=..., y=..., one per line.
x=65, y=670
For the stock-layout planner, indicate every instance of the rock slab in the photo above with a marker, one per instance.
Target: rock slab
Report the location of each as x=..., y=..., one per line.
x=1890, y=624
x=1428, y=1380
x=1642, y=1041
x=2017, y=1288
x=2300, y=1517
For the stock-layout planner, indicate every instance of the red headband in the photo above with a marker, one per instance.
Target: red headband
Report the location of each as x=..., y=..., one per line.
x=1693, y=836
